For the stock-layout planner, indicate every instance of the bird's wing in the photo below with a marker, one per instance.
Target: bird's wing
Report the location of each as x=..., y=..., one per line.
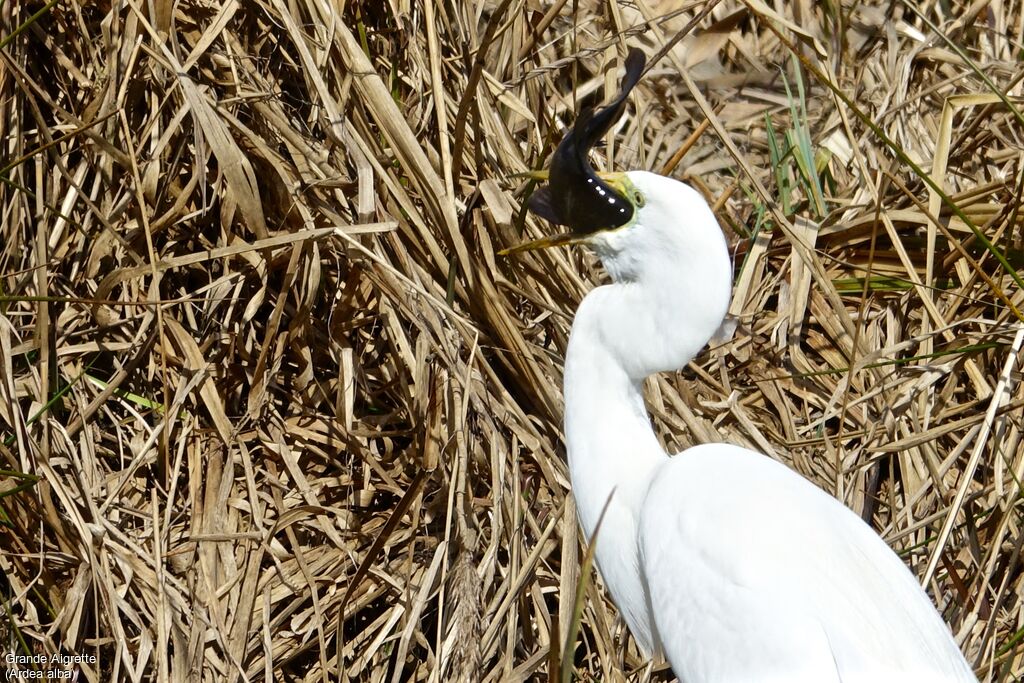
x=756, y=574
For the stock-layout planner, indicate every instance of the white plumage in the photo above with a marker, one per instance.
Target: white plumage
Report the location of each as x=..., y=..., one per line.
x=736, y=567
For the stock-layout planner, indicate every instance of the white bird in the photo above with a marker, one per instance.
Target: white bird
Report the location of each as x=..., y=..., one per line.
x=732, y=565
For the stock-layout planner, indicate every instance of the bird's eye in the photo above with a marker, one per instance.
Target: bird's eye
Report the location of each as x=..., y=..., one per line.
x=638, y=198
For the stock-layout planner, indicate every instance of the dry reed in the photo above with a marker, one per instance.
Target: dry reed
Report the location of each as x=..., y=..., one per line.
x=273, y=409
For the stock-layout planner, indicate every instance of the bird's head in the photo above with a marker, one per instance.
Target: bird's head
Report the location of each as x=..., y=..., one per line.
x=633, y=220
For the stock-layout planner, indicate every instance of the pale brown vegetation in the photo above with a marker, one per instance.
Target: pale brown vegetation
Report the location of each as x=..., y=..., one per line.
x=259, y=350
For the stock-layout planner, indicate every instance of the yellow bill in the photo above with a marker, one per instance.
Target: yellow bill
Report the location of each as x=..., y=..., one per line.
x=545, y=243
x=541, y=175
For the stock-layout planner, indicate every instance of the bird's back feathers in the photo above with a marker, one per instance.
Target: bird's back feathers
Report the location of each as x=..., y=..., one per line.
x=735, y=546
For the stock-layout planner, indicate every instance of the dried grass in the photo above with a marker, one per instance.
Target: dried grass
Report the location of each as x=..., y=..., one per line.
x=291, y=417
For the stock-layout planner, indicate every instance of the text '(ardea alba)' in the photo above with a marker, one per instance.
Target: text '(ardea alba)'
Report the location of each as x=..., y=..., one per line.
x=734, y=566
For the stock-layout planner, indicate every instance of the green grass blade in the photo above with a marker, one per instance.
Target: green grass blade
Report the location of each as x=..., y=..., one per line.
x=568, y=653
x=917, y=170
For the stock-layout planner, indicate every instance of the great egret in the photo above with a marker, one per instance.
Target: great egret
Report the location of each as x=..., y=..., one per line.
x=734, y=566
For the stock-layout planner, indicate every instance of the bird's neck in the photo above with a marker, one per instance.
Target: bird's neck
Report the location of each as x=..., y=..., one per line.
x=650, y=320
x=610, y=443
x=613, y=454
x=622, y=333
